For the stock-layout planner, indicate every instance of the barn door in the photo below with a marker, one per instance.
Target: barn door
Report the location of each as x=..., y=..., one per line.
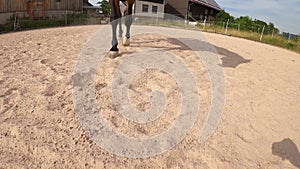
x=36, y=8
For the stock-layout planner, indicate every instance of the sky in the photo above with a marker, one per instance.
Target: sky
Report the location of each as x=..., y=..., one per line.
x=94, y=1
x=285, y=14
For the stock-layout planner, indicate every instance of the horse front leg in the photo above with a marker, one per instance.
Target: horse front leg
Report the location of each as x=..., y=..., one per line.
x=115, y=16
x=114, y=42
x=128, y=22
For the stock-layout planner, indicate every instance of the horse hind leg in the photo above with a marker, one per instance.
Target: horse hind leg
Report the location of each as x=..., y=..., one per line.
x=123, y=10
x=120, y=29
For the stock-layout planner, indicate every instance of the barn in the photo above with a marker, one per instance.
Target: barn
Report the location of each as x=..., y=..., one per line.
x=38, y=8
x=194, y=10
x=149, y=7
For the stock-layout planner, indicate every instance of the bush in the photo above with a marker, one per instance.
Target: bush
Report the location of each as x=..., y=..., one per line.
x=6, y=28
x=33, y=24
x=27, y=24
x=290, y=45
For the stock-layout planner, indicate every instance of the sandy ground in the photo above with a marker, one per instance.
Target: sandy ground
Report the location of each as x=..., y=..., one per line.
x=39, y=127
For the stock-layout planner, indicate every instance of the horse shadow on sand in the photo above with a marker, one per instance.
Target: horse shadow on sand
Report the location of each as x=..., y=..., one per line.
x=287, y=150
x=229, y=58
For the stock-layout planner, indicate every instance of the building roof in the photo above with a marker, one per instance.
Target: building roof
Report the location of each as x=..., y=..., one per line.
x=87, y=3
x=210, y=3
x=155, y=1
x=90, y=7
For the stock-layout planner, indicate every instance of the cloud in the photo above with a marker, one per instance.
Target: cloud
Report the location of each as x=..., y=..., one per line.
x=284, y=14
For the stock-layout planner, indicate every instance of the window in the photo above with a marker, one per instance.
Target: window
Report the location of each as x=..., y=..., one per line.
x=145, y=8
x=212, y=12
x=206, y=11
x=201, y=17
x=154, y=9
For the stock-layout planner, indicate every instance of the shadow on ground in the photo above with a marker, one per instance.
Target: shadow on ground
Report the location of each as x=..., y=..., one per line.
x=287, y=150
x=229, y=58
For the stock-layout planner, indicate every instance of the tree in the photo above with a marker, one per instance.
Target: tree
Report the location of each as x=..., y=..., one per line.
x=245, y=22
x=224, y=16
x=260, y=23
x=270, y=29
x=104, y=6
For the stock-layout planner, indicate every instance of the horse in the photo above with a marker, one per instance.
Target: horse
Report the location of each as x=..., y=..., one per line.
x=115, y=19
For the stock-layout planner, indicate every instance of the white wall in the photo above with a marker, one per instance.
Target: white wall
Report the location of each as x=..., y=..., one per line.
x=139, y=7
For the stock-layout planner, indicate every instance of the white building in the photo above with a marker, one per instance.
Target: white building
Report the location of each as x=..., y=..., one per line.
x=153, y=8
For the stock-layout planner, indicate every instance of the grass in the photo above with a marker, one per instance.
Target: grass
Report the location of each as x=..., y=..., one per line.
x=276, y=40
x=27, y=24
x=82, y=19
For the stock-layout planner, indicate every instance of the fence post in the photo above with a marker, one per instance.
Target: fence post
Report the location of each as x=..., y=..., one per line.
x=204, y=23
x=186, y=20
x=15, y=22
x=66, y=18
x=239, y=27
x=273, y=32
x=157, y=19
x=227, y=26
x=262, y=33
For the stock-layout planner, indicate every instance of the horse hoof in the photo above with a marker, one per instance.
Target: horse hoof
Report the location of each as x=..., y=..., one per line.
x=113, y=54
x=126, y=41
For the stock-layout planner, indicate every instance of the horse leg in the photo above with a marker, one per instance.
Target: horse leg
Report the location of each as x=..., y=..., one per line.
x=120, y=29
x=114, y=19
x=128, y=22
x=122, y=4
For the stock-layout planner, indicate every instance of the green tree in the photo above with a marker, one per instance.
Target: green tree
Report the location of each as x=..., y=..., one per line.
x=244, y=20
x=272, y=27
x=224, y=16
x=245, y=23
x=104, y=6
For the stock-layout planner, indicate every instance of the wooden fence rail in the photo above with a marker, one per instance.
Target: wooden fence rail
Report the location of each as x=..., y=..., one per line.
x=22, y=5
